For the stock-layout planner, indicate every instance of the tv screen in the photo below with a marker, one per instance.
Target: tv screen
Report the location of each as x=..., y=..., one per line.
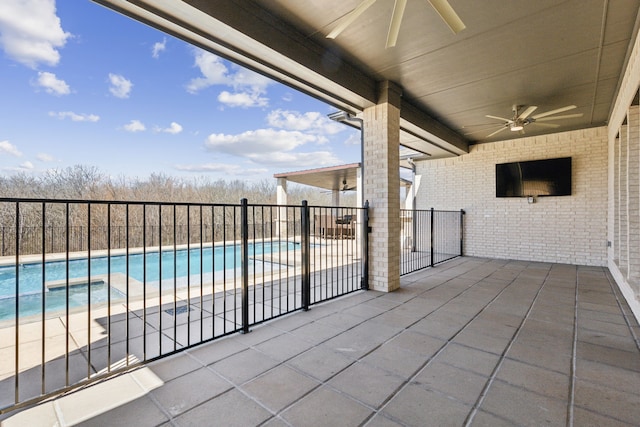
x=550, y=177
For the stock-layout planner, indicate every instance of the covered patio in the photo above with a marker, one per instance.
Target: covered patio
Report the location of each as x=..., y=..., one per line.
x=473, y=341
x=537, y=325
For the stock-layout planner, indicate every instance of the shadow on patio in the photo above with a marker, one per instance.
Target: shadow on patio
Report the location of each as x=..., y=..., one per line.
x=472, y=341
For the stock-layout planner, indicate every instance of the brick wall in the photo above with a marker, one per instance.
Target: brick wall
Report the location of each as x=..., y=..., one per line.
x=570, y=229
x=624, y=183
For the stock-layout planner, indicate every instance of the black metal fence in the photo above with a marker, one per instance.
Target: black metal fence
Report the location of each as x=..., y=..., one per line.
x=120, y=283
x=429, y=237
x=102, y=286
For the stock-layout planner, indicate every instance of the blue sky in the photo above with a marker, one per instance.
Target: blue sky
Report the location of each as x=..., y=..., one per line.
x=83, y=85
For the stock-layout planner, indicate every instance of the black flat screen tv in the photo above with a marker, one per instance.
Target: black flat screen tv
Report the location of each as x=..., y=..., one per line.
x=549, y=177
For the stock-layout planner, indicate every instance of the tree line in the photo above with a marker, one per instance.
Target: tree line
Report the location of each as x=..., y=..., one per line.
x=61, y=227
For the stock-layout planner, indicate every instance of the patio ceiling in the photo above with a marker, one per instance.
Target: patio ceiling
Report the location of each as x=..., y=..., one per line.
x=547, y=53
x=335, y=178
x=332, y=178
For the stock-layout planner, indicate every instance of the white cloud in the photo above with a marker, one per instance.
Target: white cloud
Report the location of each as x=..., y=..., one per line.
x=74, y=117
x=253, y=144
x=158, y=47
x=173, y=129
x=243, y=99
x=120, y=86
x=26, y=166
x=8, y=148
x=272, y=147
x=135, y=126
x=44, y=157
x=301, y=160
x=311, y=121
x=353, y=139
x=52, y=84
x=30, y=31
x=213, y=70
x=249, y=87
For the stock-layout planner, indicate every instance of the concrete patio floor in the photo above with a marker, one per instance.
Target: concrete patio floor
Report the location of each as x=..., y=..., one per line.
x=470, y=342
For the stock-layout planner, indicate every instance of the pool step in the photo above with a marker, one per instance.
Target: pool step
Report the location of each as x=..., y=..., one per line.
x=118, y=282
x=78, y=281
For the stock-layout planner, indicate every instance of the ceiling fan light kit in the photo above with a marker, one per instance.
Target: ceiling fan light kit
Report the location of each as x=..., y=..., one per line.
x=522, y=118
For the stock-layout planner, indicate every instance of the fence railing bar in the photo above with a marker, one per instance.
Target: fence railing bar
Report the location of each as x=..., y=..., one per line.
x=224, y=271
x=67, y=317
x=88, y=290
x=188, y=276
x=144, y=282
x=127, y=284
x=17, y=308
x=235, y=262
x=175, y=283
x=312, y=266
x=202, y=237
x=43, y=303
x=244, y=263
x=160, y=292
x=109, y=289
x=213, y=269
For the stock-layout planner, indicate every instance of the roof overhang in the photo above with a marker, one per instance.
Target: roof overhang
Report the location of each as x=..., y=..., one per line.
x=247, y=35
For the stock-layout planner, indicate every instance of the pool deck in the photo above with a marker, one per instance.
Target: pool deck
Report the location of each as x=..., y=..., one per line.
x=470, y=342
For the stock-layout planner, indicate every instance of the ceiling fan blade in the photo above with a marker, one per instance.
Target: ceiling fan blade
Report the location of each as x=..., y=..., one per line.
x=565, y=116
x=558, y=110
x=396, y=19
x=499, y=118
x=526, y=113
x=448, y=15
x=346, y=20
x=498, y=131
x=547, y=125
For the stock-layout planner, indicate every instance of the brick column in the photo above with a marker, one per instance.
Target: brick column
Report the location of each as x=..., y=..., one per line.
x=382, y=187
x=616, y=201
x=633, y=243
x=624, y=201
x=281, y=199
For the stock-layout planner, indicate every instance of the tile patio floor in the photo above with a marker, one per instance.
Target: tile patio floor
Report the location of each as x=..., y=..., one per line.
x=470, y=342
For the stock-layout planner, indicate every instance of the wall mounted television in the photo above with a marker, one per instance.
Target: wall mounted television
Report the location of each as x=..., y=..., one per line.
x=549, y=177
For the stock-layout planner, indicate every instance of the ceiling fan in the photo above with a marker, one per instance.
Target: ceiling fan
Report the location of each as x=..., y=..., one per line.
x=443, y=8
x=344, y=187
x=522, y=118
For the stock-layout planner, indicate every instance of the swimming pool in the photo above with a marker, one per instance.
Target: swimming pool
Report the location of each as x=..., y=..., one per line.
x=173, y=266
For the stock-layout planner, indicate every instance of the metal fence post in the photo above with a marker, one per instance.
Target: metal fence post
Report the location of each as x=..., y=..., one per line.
x=462, y=212
x=244, y=262
x=305, y=252
x=364, y=281
x=432, y=238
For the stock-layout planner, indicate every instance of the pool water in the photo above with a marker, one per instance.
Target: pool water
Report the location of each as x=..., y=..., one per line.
x=55, y=300
x=183, y=263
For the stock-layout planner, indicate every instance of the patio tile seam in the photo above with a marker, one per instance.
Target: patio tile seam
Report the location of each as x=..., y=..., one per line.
x=157, y=403
x=608, y=387
x=278, y=413
x=494, y=373
x=617, y=420
x=620, y=304
x=411, y=380
x=326, y=381
x=574, y=352
x=451, y=298
x=232, y=388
